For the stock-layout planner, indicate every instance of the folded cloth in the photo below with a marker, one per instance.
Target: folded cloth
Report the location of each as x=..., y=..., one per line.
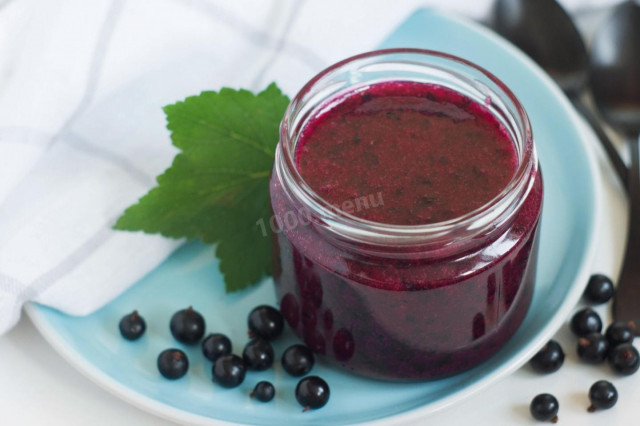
x=82, y=132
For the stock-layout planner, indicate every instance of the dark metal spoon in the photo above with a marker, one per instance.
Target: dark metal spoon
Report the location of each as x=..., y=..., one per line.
x=543, y=30
x=615, y=80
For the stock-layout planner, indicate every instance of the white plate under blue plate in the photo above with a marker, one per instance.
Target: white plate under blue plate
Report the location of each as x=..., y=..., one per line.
x=191, y=277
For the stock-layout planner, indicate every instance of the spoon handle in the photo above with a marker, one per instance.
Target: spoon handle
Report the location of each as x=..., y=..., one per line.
x=610, y=149
x=627, y=302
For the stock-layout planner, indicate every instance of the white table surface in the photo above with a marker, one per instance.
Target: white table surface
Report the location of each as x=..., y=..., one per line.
x=39, y=387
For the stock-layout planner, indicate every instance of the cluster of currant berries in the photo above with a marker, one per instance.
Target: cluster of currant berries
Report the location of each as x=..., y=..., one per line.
x=616, y=346
x=265, y=325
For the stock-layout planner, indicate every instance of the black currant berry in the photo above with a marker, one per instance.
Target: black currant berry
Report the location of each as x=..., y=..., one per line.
x=132, y=326
x=544, y=407
x=312, y=392
x=620, y=332
x=549, y=359
x=586, y=321
x=215, y=346
x=624, y=359
x=599, y=289
x=603, y=395
x=187, y=326
x=593, y=348
x=263, y=392
x=173, y=363
x=229, y=371
x=258, y=354
x=266, y=322
x=297, y=360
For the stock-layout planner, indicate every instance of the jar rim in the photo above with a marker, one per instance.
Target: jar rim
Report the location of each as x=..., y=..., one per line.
x=363, y=230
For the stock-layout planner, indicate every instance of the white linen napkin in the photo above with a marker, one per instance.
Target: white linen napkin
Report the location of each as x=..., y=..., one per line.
x=82, y=132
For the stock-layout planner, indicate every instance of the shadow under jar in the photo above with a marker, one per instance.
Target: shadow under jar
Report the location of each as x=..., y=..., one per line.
x=406, y=195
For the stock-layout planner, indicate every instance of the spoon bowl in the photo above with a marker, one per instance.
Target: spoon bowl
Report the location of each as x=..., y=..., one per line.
x=544, y=30
x=615, y=68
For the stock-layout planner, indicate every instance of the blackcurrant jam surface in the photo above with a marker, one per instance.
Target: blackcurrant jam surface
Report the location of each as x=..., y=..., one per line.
x=429, y=153
x=434, y=155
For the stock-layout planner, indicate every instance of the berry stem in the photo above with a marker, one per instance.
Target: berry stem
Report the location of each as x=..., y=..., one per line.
x=305, y=409
x=554, y=420
x=591, y=408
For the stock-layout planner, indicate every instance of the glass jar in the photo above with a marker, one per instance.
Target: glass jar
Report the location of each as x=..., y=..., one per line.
x=405, y=302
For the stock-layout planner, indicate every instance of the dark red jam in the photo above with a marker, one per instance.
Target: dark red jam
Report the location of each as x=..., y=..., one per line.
x=411, y=154
x=429, y=153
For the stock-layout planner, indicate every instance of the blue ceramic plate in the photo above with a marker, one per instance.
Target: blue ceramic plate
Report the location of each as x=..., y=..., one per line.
x=189, y=276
